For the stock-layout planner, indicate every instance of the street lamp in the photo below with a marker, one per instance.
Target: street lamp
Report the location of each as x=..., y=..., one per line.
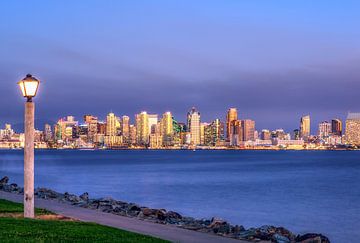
x=29, y=86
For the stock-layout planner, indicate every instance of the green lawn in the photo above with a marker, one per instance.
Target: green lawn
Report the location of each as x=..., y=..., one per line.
x=11, y=207
x=35, y=230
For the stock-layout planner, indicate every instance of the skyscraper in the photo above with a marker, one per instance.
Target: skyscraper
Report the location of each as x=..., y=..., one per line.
x=47, y=133
x=248, y=127
x=167, y=128
x=111, y=124
x=216, y=132
x=305, y=127
x=152, y=120
x=336, y=127
x=193, y=122
x=125, y=128
x=324, y=129
x=143, y=128
x=111, y=138
x=92, y=123
x=352, y=131
x=230, y=117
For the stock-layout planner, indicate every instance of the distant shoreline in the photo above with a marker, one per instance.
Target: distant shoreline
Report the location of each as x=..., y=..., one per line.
x=194, y=150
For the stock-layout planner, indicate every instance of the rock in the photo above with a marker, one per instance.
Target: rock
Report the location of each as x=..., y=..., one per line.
x=173, y=215
x=84, y=196
x=237, y=229
x=72, y=198
x=160, y=214
x=219, y=226
x=47, y=193
x=4, y=180
x=280, y=238
x=312, y=238
x=147, y=212
x=133, y=210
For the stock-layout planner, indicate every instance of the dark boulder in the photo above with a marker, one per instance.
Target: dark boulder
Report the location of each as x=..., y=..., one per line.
x=84, y=196
x=312, y=238
x=47, y=193
x=4, y=180
x=173, y=215
x=160, y=214
x=220, y=226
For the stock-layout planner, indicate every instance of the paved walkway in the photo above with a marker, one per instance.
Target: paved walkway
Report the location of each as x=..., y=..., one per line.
x=167, y=232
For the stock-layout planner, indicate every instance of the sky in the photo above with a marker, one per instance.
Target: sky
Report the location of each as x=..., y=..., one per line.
x=274, y=60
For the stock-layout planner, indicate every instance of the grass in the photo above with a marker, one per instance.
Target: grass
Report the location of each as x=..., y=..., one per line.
x=12, y=207
x=36, y=230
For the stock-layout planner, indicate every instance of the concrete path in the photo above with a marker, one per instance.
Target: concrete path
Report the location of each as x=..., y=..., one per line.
x=166, y=232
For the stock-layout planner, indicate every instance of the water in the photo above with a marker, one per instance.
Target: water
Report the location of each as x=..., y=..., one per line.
x=305, y=191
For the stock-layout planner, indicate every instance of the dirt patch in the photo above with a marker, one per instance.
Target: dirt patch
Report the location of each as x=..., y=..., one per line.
x=43, y=217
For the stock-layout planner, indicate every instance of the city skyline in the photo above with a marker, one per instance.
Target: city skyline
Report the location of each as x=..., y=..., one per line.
x=272, y=61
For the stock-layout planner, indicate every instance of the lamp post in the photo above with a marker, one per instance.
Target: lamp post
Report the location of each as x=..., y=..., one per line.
x=29, y=86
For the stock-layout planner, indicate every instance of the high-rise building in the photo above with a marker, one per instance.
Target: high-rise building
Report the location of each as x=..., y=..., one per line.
x=125, y=128
x=111, y=121
x=230, y=117
x=237, y=136
x=305, y=127
x=142, y=127
x=296, y=134
x=205, y=135
x=152, y=120
x=324, y=129
x=132, y=133
x=248, y=127
x=352, y=130
x=48, y=136
x=64, y=128
x=92, y=126
x=111, y=135
x=336, y=127
x=193, y=124
x=216, y=133
x=265, y=134
x=167, y=129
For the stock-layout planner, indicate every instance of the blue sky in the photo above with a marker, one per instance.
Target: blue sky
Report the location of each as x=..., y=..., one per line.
x=273, y=60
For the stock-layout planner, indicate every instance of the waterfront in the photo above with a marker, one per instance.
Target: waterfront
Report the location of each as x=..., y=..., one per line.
x=305, y=191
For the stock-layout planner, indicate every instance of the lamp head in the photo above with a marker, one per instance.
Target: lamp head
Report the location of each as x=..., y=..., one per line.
x=29, y=86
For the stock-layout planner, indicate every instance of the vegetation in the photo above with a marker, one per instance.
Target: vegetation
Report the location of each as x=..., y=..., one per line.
x=16, y=229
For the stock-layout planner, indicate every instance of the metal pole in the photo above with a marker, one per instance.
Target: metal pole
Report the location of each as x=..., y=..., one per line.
x=29, y=161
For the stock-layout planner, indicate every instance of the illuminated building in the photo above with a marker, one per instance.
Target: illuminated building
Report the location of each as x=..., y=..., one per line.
x=92, y=125
x=296, y=134
x=230, y=117
x=336, y=127
x=248, y=127
x=111, y=121
x=64, y=128
x=236, y=137
x=214, y=133
x=143, y=127
x=132, y=134
x=324, y=129
x=48, y=136
x=111, y=134
x=167, y=129
x=203, y=127
x=352, y=130
x=193, y=124
x=125, y=128
x=265, y=134
x=305, y=127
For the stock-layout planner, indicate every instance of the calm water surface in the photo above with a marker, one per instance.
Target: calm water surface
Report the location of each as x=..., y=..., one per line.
x=305, y=191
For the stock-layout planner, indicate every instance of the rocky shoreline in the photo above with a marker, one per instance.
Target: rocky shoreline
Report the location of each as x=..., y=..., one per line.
x=162, y=216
